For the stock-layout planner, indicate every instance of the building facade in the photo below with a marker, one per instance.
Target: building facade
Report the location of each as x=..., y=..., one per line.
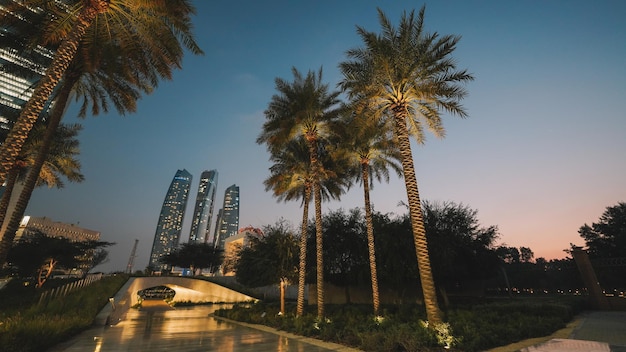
x=22, y=64
x=229, y=218
x=233, y=246
x=203, y=210
x=31, y=225
x=169, y=227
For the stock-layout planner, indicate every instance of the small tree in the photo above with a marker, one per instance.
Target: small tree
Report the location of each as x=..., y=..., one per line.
x=195, y=256
x=270, y=260
x=38, y=255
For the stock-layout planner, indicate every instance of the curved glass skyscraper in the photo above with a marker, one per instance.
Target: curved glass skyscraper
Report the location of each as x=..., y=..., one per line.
x=228, y=221
x=170, y=223
x=203, y=211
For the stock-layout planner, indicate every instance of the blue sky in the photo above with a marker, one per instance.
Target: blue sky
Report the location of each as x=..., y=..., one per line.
x=541, y=153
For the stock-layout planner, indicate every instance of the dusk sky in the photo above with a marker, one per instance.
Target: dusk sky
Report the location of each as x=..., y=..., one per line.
x=541, y=153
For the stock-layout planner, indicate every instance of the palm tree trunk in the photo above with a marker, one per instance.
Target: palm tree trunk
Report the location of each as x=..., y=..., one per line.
x=303, y=240
x=6, y=197
x=417, y=220
x=33, y=108
x=33, y=175
x=370, y=237
x=319, y=250
x=317, y=196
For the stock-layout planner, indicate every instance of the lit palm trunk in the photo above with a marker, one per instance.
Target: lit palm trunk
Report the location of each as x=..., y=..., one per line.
x=417, y=219
x=303, y=240
x=370, y=236
x=319, y=245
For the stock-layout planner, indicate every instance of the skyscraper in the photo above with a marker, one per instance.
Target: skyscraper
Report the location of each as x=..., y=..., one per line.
x=203, y=211
x=170, y=220
x=229, y=219
x=22, y=66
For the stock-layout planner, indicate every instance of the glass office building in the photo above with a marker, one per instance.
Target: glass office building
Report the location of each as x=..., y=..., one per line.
x=228, y=224
x=167, y=235
x=203, y=210
x=22, y=65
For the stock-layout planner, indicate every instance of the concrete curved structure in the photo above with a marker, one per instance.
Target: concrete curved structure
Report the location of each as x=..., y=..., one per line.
x=187, y=290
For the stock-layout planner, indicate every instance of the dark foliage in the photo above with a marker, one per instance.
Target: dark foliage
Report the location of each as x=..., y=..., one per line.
x=195, y=256
x=37, y=255
x=607, y=237
x=270, y=259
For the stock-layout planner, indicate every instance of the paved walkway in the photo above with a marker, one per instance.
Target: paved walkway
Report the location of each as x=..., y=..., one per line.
x=596, y=331
x=159, y=328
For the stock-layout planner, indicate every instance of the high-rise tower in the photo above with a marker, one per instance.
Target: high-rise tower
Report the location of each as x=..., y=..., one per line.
x=170, y=220
x=203, y=211
x=229, y=219
x=22, y=65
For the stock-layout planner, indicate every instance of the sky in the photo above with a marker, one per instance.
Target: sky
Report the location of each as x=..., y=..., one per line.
x=540, y=154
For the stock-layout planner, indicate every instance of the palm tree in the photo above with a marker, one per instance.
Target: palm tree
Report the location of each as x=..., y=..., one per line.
x=106, y=70
x=408, y=75
x=291, y=179
x=303, y=108
x=368, y=145
x=151, y=30
x=60, y=161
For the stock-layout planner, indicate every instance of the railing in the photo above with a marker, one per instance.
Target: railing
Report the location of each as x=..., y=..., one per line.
x=64, y=290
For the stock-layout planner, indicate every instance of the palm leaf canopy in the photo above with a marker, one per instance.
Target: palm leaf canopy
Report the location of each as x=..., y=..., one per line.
x=304, y=107
x=125, y=52
x=291, y=173
x=365, y=140
x=407, y=69
x=61, y=160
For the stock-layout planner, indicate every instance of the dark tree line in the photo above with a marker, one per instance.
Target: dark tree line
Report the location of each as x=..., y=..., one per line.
x=465, y=256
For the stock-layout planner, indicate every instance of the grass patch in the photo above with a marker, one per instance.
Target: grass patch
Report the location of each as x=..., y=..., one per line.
x=27, y=326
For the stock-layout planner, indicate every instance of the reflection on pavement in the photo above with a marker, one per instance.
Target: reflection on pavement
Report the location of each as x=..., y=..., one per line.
x=158, y=327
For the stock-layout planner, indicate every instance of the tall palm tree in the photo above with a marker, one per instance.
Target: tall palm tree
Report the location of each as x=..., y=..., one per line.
x=303, y=108
x=151, y=29
x=367, y=144
x=113, y=65
x=408, y=75
x=291, y=179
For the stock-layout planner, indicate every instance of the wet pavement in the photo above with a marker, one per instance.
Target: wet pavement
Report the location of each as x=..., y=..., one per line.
x=185, y=329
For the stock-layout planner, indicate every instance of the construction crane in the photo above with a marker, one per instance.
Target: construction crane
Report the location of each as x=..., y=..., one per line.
x=131, y=260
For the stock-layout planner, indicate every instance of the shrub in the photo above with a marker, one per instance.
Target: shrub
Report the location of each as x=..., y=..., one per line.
x=473, y=327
